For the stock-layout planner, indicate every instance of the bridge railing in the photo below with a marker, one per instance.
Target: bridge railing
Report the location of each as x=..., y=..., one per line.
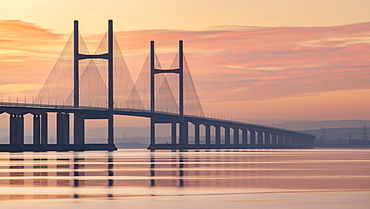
x=48, y=106
x=70, y=107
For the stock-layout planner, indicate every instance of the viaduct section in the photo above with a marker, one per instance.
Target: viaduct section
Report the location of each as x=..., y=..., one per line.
x=234, y=135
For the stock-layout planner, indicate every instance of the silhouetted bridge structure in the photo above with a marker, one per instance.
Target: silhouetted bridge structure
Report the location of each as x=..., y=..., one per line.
x=163, y=95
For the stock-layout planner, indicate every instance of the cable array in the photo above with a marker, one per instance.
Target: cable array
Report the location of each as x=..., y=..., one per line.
x=58, y=87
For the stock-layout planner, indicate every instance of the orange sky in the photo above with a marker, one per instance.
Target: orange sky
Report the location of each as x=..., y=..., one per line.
x=289, y=61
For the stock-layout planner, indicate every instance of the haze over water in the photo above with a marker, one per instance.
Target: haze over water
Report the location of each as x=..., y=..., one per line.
x=137, y=178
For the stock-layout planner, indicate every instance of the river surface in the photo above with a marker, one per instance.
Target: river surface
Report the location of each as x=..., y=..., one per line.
x=137, y=178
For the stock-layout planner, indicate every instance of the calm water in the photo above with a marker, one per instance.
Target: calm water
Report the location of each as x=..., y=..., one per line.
x=332, y=178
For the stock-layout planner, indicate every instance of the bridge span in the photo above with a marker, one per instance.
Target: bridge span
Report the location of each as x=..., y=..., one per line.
x=237, y=135
x=88, y=95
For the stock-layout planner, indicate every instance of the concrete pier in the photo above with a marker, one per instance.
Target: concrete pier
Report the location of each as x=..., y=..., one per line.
x=16, y=129
x=252, y=138
x=36, y=129
x=62, y=128
x=236, y=136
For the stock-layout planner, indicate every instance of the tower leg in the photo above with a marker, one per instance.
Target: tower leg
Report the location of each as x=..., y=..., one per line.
x=110, y=128
x=173, y=133
x=152, y=131
x=184, y=132
x=79, y=128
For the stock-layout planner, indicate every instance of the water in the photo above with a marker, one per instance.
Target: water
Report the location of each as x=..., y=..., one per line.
x=137, y=178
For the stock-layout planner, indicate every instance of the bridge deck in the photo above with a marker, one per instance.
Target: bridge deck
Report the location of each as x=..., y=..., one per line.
x=258, y=136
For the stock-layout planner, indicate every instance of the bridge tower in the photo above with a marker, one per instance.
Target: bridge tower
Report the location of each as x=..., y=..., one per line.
x=79, y=118
x=183, y=124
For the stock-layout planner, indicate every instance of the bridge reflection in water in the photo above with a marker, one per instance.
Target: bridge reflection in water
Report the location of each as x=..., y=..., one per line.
x=168, y=96
x=129, y=173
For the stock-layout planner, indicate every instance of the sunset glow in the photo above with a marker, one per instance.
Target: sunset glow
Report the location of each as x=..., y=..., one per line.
x=294, y=71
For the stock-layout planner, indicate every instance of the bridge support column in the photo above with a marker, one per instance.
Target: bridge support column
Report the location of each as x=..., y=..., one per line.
x=208, y=134
x=152, y=131
x=292, y=142
x=79, y=128
x=252, y=138
x=16, y=129
x=236, y=136
x=13, y=129
x=36, y=129
x=184, y=133
x=44, y=128
x=218, y=135
x=286, y=141
x=280, y=140
x=173, y=133
x=304, y=143
x=260, y=138
x=274, y=139
x=227, y=135
x=62, y=128
x=310, y=142
x=307, y=143
x=197, y=134
x=298, y=143
x=20, y=129
x=245, y=137
x=267, y=139
x=110, y=84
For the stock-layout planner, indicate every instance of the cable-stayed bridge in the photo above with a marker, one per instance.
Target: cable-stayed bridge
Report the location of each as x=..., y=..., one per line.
x=98, y=85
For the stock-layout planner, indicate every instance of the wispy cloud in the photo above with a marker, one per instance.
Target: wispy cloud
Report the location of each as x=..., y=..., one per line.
x=228, y=63
x=23, y=36
x=266, y=63
x=27, y=53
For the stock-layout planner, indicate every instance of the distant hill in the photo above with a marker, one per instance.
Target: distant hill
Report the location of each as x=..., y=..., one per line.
x=311, y=125
x=338, y=133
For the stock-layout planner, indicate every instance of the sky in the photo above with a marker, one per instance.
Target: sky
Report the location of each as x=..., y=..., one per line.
x=257, y=60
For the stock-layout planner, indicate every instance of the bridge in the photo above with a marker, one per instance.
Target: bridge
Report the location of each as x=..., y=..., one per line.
x=104, y=88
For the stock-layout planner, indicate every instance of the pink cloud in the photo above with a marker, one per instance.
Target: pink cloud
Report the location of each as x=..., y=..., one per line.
x=233, y=64
x=268, y=63
x=20, y=35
